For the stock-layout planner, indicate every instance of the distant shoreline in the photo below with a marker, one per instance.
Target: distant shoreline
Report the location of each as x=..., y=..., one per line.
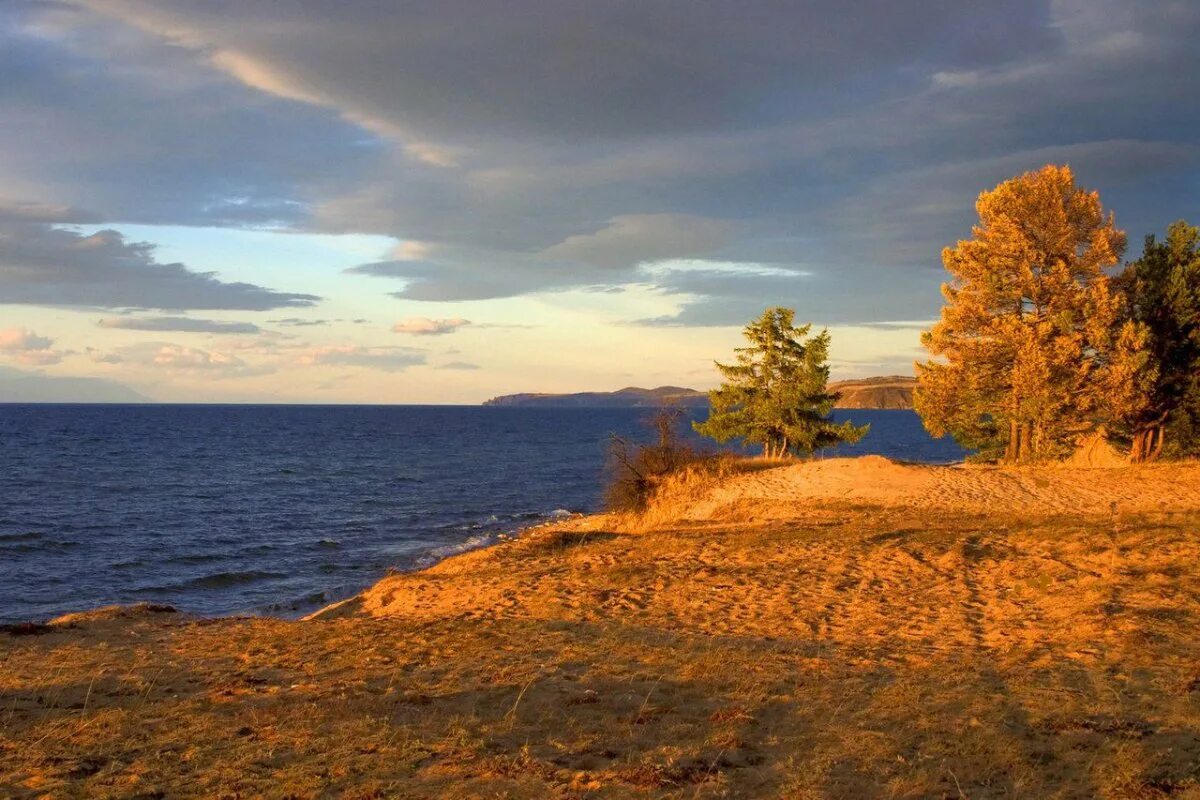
x=886, y=393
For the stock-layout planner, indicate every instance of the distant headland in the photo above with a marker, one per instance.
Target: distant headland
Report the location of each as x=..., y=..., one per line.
x=890, y=392
x=629, y=397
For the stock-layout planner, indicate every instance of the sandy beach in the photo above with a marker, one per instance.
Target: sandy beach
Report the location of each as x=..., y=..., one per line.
x=840, y=628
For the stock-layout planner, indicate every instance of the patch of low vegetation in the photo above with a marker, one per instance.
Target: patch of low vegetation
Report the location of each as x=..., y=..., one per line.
x=637, y=470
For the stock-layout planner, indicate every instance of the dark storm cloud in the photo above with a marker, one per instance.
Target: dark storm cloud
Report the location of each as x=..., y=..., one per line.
x=540, y=146
x=95, y=114
x=446, y=69
x=44, y=265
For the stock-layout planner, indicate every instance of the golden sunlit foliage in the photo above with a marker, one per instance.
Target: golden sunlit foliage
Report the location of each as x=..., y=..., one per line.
x=1035, y=346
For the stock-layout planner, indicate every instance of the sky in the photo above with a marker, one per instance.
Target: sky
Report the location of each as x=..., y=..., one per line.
x=350, y=201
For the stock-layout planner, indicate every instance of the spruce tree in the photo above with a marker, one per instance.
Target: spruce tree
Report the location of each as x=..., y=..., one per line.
x=1163, y=287
x=1032, y=348
x=776, y=393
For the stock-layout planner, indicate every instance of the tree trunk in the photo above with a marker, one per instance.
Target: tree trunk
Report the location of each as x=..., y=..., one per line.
x=1137, y=448
x=1025, y=442
x=1160, y=438
x=1014, y=437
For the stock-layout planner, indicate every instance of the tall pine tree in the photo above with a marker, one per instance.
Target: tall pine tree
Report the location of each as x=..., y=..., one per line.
x=1163, y=287
x=776, y=393
x=1031, y=350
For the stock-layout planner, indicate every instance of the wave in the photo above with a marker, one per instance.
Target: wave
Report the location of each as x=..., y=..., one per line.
x=219, y=580
x=216, y=580
x=523, y=519
x=195, y=558
x=36, y=544
x=435, y=555
x=20, y=537
x=493, y=534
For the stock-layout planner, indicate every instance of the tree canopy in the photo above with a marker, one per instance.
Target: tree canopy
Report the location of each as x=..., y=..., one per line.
x=1034, y=347
x=1163, y=290
x=775, y=394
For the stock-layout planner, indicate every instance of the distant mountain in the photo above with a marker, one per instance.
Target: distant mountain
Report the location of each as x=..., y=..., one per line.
x=894, y=391
x=20, y=386
x=891, y=392
x=629, y=397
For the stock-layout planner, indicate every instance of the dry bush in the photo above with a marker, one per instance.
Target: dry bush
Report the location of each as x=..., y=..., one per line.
x=654, y=483
x=671, y=494
x=635, y=470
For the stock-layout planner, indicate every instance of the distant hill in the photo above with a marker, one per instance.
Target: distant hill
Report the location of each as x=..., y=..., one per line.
x=20, y=386
x=629, y=397
x=891, y=392
x=894, y=391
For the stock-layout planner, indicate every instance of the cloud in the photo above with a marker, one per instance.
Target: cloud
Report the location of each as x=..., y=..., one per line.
x=423, y=326
x=732, y=293
x=17, y=211
x=298, y=322
x=514, y=159
x=28, y=348
x=386, y=359
x=586, y=71
x=176, y=359
x=44, y=265
x=472, y=274
x=14, y=340
x=180, y=324
x=462, y=365
x=628, y=240
x=101, y=357
x=138, y=156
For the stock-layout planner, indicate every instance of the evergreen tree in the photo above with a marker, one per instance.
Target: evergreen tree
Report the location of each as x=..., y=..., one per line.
x=1163, y=287
x=1032, y=346
x=776, y=395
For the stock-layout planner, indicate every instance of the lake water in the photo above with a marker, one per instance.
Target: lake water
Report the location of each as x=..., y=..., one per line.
x=281, y=509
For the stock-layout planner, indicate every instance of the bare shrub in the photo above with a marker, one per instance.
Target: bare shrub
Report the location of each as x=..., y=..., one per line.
x=635, y=470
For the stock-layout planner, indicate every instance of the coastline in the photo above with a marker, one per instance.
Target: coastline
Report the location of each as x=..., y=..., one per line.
x=758, y=635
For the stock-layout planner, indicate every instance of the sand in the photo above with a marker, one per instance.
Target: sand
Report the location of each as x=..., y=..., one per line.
x=846, y=628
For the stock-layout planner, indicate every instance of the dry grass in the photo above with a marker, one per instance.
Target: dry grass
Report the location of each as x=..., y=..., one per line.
x=767, y=646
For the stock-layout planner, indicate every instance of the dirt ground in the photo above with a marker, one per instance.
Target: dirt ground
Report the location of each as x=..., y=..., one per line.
x=848, y=628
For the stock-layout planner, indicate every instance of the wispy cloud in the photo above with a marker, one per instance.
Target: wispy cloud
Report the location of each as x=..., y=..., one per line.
x=424, y=326
x=176, y=359
x=179, y=324
x=386, y=359
x=28, y=348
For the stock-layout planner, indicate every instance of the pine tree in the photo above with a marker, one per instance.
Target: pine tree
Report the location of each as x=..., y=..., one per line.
x=776, y=393
x=1163, y=287
x=1031, y=349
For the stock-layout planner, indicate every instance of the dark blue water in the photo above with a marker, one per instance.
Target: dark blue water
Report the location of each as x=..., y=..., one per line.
x=281, y=509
